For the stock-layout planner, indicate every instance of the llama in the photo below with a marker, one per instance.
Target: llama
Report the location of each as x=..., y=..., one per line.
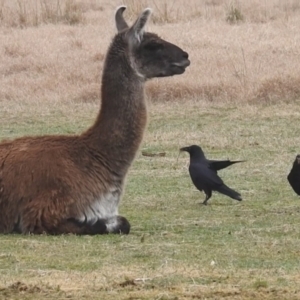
x=73, y=184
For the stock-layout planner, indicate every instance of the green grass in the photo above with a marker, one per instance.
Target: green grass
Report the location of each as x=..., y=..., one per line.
x=177, y=249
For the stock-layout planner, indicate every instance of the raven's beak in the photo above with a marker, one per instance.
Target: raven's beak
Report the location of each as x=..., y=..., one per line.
x=184, y=149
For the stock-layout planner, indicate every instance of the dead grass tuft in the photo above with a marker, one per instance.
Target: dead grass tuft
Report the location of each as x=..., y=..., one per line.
x=260, y=284
x=127, y=282
x=14, y=51
x=20, y=289
x=277, y=89
x=233, y=13
x=98, y=57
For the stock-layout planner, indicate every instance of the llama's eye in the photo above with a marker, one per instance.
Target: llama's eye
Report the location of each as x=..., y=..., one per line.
x=153, y=46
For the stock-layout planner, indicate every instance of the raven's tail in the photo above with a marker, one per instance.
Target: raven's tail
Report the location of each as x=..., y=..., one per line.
x=224, y=189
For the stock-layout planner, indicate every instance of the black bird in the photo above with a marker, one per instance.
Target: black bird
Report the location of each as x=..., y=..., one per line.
x=294, y=175
x=204, y=174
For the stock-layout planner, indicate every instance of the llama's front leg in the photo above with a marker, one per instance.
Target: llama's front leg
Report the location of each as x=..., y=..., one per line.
x=105, y=208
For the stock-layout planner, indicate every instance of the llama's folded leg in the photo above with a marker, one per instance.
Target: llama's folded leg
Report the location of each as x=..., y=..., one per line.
x=39, y=222
x=117, y=224
x=58, y=216
x=81, y=228
x=51, y=217
x=54, y=226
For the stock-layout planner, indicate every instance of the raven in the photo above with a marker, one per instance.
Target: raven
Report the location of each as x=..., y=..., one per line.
x=204, y=174
x=294, y=175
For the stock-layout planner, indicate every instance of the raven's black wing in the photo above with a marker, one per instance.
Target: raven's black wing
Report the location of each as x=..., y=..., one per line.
x=204, y=177
x=222, y=164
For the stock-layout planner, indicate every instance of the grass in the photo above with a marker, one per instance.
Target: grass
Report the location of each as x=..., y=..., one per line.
x=19, y=13
x=234, y=14
x=239, y=99
x=166, y=11
x=177, y=249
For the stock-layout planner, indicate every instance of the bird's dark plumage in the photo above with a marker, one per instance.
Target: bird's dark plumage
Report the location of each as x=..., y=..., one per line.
x=204, y=174
x=222, y=164
x=294, y=175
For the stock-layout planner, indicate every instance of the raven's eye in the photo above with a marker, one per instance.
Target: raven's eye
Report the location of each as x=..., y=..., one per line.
x=153, y=46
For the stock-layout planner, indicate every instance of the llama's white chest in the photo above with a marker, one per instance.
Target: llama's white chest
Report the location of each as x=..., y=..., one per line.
x=104, y=207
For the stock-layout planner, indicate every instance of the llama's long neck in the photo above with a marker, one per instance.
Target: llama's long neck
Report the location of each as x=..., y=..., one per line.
x=119, y=128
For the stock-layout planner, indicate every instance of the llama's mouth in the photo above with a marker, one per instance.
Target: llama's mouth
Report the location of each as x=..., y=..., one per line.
x=175, y=68
x=179, y=68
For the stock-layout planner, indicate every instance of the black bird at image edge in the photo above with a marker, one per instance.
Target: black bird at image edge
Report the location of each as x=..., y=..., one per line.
x=294, y=175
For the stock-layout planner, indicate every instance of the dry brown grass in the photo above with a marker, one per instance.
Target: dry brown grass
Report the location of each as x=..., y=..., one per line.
x=26, y=13
x=254, y=60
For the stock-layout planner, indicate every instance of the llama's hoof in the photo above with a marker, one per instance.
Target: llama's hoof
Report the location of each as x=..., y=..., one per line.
x=118, y=225
x=124, y=225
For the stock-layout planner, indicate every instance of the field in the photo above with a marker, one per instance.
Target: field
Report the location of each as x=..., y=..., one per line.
x=239, y=99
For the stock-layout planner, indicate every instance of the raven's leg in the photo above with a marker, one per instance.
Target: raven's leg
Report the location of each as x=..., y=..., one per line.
x=207, y=196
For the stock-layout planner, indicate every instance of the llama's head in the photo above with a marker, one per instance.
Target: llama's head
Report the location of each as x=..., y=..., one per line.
x=149, y=55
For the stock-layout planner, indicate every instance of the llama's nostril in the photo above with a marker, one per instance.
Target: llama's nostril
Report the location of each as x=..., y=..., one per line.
x=185, y=55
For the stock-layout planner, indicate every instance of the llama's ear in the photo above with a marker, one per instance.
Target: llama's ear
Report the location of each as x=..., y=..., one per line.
x=120, y=22
x=136, y=31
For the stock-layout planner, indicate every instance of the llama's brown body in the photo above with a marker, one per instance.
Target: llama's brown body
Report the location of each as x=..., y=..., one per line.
x=73, y=184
